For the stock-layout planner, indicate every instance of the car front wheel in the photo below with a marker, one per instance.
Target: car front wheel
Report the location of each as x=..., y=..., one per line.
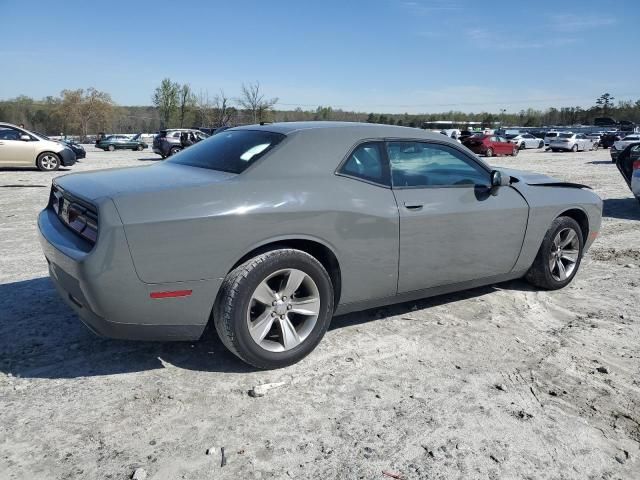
x=559, y=256
x=48, y=162
x=274, y=309
x=174, y=150
x=489, y=152
x=111, y=148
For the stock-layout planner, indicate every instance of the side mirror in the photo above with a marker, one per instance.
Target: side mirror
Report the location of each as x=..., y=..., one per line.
x=499, y=179
x=25, y=138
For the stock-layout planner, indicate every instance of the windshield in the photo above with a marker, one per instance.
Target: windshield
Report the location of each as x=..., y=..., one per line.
x=566, y=135
x=512, y=135
x=230, y=151
x=552, y=134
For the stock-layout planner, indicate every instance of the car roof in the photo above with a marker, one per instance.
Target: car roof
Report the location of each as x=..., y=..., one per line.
x=358, y=129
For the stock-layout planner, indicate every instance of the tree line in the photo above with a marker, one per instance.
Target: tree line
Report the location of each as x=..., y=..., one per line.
x=83, y=112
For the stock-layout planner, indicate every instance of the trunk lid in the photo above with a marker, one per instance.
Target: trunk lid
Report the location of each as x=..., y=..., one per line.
x=91, y=186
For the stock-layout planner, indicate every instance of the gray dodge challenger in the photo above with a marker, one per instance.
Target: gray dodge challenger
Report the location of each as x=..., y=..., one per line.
x=268, y=231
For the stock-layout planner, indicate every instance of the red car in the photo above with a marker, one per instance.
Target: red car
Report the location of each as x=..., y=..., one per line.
x=491, y=145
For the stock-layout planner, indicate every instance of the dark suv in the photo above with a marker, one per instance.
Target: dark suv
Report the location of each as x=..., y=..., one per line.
x=167, y=142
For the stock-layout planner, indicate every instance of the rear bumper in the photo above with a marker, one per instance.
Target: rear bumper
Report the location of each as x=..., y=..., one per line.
x=561, y=146
x=101, y=287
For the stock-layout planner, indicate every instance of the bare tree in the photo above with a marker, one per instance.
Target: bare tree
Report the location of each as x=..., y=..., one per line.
x=204, y=109
x=253, y=100
x=187, y=101
x=84, y=109
x=165, y=98
x=222, y=108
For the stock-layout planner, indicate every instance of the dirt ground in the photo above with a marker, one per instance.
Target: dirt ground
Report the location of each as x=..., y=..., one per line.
x=497, y=382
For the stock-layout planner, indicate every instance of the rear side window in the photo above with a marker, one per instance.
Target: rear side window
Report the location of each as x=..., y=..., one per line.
x=368, y=163
x=230, y=151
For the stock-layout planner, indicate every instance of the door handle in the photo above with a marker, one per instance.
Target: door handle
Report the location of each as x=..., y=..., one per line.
x=413, y=206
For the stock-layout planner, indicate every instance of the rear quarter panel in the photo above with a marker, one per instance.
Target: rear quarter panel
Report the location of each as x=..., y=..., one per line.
x=200, y=233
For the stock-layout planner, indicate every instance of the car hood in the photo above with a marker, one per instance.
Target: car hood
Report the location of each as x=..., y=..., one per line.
x=532, y=178
x=112, y=183
x=622, y=144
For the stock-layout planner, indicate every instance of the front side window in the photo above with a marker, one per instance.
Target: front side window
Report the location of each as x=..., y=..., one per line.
x=230, y=151
x=367, y=162
x=418, y=164
x=7, y=133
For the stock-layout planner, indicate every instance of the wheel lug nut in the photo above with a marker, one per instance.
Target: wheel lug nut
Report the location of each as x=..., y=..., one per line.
x=281, y=317
x=273, y=314
x=289, y=307
x=284, y=299
x=273, y=304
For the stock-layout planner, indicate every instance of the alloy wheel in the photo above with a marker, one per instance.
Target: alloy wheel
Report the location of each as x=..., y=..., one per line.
x=49, y=162
x=565, y=250
x=283, y=310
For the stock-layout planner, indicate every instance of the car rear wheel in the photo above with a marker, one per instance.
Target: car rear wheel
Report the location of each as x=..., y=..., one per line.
x=139, y=148
x=559, y=257
x=541, y=144
x=515, y=152
x=489, y=152
x=111, y=148
x=48, y=162
x=574, y=148
x=274, y=309
x=174, y=150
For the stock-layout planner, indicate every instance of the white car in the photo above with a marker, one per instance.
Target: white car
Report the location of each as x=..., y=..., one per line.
x=550, y=136
x=525, y=140
x=629, y=166
x=622, y=144
x=22, y=148
x=573, y=142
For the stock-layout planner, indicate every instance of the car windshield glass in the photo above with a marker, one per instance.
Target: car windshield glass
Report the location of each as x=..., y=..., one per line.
x=552, y=134
x=230, y=151
x=566, y=135
x=511, y=135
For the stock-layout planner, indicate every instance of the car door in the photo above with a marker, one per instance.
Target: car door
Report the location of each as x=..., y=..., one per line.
x=505, y=147
x=13, y=150
x=582, y=142
x=452, y=229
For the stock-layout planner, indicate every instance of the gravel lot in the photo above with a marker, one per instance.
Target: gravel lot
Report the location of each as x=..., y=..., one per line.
x=497, y=382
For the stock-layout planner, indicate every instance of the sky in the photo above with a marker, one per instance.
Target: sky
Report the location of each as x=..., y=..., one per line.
x=389, y=56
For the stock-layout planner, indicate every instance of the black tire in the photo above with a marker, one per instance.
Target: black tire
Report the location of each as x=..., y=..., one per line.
x=540, y=273
x=522, y=145
x=139, y=148
x=111, y=148
x=489, y=152
x=515, y=152
x=229, y=313
x=174, y=150
x=541, y=144
x=575, y=148
x=48, y=162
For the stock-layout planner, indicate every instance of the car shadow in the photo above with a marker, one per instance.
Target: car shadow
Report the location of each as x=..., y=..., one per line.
x=600, y=162
x=31, y=169
x=155, y=159
x=622, y=208
x=40, y=337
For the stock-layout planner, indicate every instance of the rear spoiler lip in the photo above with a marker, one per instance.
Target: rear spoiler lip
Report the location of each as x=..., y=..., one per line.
x=560, y=184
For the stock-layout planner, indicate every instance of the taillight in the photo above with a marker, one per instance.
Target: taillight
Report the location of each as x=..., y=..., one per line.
x=636, y=165
x=80, y=218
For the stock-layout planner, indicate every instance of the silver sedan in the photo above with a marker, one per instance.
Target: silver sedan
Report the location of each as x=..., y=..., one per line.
x=267, y=231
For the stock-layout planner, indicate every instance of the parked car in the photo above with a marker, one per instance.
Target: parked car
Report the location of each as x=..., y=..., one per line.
x=121, y=142
x=251, y=240
x=525, y=140
x=22, y=148
x=549, y=136
x=167, y=142
x=596, y=137
x=609, y=138
x=571, y=142
x=628, y=162
x=72, y=144
x=490, y=145
x=620, y=145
